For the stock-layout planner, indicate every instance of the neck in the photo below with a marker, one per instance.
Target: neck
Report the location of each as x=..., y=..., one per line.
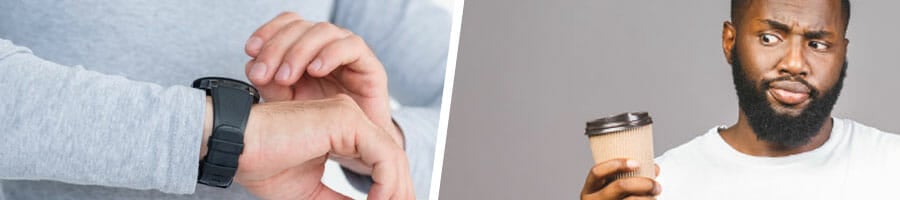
x=741, y=137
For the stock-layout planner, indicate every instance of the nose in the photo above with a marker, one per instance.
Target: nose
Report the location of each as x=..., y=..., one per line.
x=793, y=62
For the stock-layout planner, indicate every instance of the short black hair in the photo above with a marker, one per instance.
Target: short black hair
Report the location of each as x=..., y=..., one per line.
x=739, y=6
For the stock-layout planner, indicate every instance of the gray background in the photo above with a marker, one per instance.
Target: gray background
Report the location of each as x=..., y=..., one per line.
x=531, y=72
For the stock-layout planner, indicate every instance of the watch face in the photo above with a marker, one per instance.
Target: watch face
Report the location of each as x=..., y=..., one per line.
x=207, y=83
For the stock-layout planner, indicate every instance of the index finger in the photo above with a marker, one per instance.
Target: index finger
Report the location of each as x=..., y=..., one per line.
x=267, y=31
x=597, y=177
x=630, y=186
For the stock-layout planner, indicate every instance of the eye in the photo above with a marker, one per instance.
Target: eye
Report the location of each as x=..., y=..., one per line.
x=769, y=39
x=821, y=46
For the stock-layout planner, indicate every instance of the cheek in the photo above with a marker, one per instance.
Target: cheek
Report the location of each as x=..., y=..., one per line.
x=759, y=61
x=825, y=71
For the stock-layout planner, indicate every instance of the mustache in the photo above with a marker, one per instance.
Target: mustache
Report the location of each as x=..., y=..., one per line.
x=813, y=92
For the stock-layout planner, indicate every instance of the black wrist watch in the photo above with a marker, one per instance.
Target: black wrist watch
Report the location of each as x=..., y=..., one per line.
x=231, y=101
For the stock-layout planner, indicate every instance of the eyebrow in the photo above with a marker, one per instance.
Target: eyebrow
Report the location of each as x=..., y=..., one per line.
x=776, y=25
x=817, y=34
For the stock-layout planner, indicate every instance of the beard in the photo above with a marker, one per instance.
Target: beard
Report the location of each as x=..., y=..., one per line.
x=782, y=129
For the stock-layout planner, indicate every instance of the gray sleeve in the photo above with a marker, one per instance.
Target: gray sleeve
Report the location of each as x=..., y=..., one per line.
x=420, y=126
x=411, y=38
x=77, y=126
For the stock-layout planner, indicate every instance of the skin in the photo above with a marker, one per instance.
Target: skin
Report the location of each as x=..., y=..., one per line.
x=287, y=143
x=325, y=97
x=298, y=60
x=599, y=186
x=773, y=39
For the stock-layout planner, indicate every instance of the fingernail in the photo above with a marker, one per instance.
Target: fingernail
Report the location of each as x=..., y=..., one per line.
x=632, y=164
x=657, y=189
x=254, y=43
x=258, y=71
x=284, y=72
x=316, y=64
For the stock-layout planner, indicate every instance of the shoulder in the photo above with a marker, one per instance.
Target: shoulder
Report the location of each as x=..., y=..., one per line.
x=868, y=142
x=689, y=150
x=861, y=134
x=679, y=164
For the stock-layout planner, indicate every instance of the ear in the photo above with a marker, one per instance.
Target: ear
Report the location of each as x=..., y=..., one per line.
x=728, y=40
x=844, y=48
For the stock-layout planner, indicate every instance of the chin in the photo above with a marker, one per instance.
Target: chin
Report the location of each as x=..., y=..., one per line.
x=788, y=111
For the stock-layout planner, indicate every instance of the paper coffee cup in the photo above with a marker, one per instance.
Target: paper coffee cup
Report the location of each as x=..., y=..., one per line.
x=626, y=135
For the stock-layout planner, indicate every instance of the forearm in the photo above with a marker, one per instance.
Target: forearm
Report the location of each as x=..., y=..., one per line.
x=77, y=126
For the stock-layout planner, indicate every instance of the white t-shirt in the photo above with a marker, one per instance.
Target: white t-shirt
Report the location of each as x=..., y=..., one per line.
x=857, y=162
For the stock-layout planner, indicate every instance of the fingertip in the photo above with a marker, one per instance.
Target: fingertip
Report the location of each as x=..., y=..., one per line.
x=284, y=74
x=657, y=189
x=597, y=169
x=257, y=73
x=632, y=164
x=316, y=68
x=254, y=44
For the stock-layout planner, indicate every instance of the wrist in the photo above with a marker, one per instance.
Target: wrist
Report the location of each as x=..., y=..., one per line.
x=255, y=126
x=207, y=127
x=227, y=112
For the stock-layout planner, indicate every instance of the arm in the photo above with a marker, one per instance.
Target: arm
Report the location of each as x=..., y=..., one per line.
x=76, y=126
x=81, y=127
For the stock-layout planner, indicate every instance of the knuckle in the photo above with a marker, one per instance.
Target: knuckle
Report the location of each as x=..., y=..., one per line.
x=296, y=51
x=326, y=27
x=270, y=49
x=294, y=25
x=356, y=39
x=347, y=104
x=601, y=170
x=345, y=99
x=614, y=164
x=360, y=44
x=290, y=55
x=346, y=32
x=613, y=189
x=288, y=15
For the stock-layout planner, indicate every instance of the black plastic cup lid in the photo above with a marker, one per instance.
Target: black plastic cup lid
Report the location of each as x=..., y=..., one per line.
x=617, y=123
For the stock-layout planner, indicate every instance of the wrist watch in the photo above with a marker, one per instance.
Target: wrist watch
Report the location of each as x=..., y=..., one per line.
x=231, y=101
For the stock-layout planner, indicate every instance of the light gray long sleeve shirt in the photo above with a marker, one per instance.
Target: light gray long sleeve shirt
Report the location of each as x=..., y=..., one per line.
x=97, y=103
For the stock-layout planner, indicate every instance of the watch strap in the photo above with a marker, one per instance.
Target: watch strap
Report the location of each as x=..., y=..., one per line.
x=231, y=101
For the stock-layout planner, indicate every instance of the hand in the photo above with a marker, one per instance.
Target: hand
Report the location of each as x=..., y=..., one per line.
x=599, y=183
x=296, y=59
x=286, y=145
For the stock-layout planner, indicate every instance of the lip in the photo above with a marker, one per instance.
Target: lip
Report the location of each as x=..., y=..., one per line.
x=789, y=92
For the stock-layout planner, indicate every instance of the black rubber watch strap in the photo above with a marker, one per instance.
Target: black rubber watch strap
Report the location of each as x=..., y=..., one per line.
x=231, y=101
